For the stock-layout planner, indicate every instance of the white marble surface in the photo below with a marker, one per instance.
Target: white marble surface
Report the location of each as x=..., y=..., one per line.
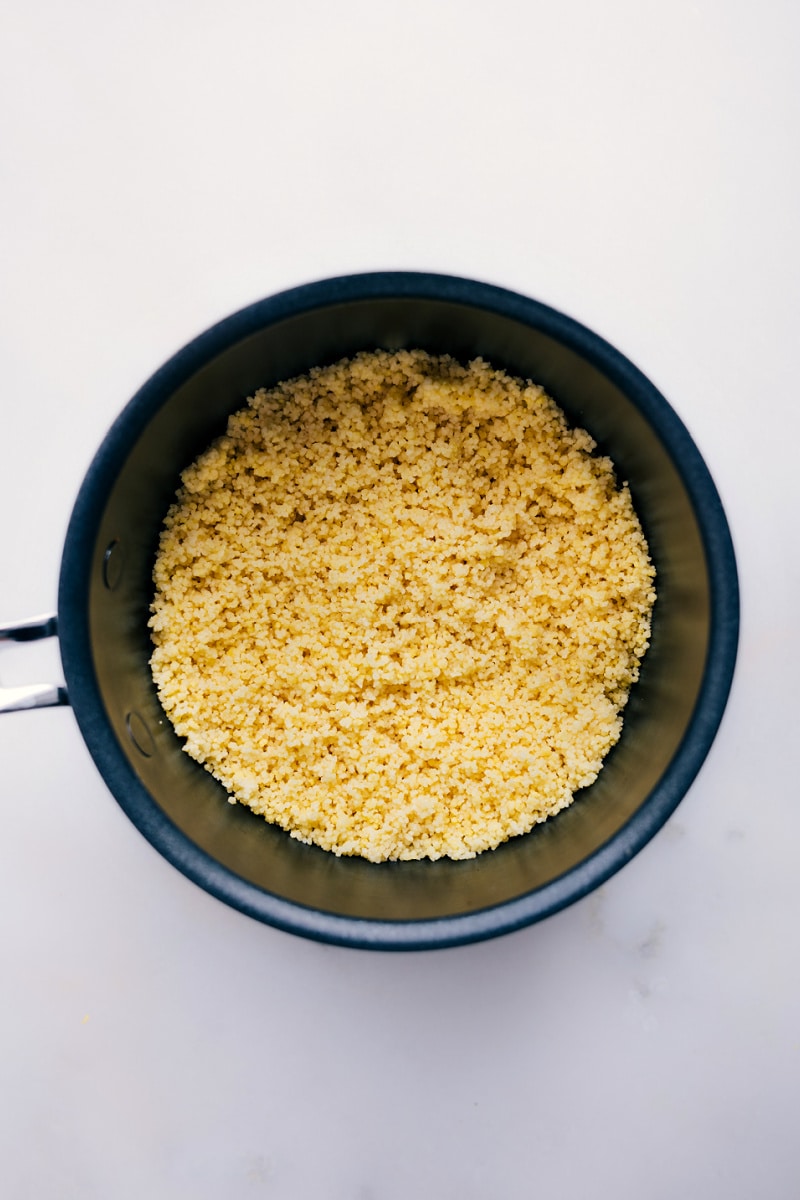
x=631, y=162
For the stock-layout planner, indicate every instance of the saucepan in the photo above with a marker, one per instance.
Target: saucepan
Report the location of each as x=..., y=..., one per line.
x=105, y=591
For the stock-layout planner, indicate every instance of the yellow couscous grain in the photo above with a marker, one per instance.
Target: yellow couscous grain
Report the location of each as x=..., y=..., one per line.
x=399, y=607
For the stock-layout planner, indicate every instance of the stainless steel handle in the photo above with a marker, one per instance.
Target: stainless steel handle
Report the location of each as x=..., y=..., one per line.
x=32, y=695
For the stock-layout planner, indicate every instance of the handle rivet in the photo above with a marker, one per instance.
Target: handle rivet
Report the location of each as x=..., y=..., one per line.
x=140, y=735
x=113, y=564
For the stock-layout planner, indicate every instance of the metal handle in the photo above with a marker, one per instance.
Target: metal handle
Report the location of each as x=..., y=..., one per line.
x=32, y=695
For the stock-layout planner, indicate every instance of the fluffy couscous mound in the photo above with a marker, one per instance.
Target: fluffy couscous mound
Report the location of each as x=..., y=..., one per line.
x=399, y=606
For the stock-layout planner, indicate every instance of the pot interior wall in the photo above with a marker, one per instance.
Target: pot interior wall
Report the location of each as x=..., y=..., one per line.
x=190, y=412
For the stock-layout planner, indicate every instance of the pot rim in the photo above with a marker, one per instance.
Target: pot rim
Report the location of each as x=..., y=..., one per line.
x=220, y=881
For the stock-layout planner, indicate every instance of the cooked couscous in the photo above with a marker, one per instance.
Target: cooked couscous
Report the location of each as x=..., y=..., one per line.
x=399, y=606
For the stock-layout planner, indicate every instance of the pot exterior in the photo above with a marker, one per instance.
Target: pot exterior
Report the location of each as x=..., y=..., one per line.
x=105, y=591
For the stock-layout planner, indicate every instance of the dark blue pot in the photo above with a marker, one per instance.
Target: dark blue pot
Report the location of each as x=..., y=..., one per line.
x=105, y=592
